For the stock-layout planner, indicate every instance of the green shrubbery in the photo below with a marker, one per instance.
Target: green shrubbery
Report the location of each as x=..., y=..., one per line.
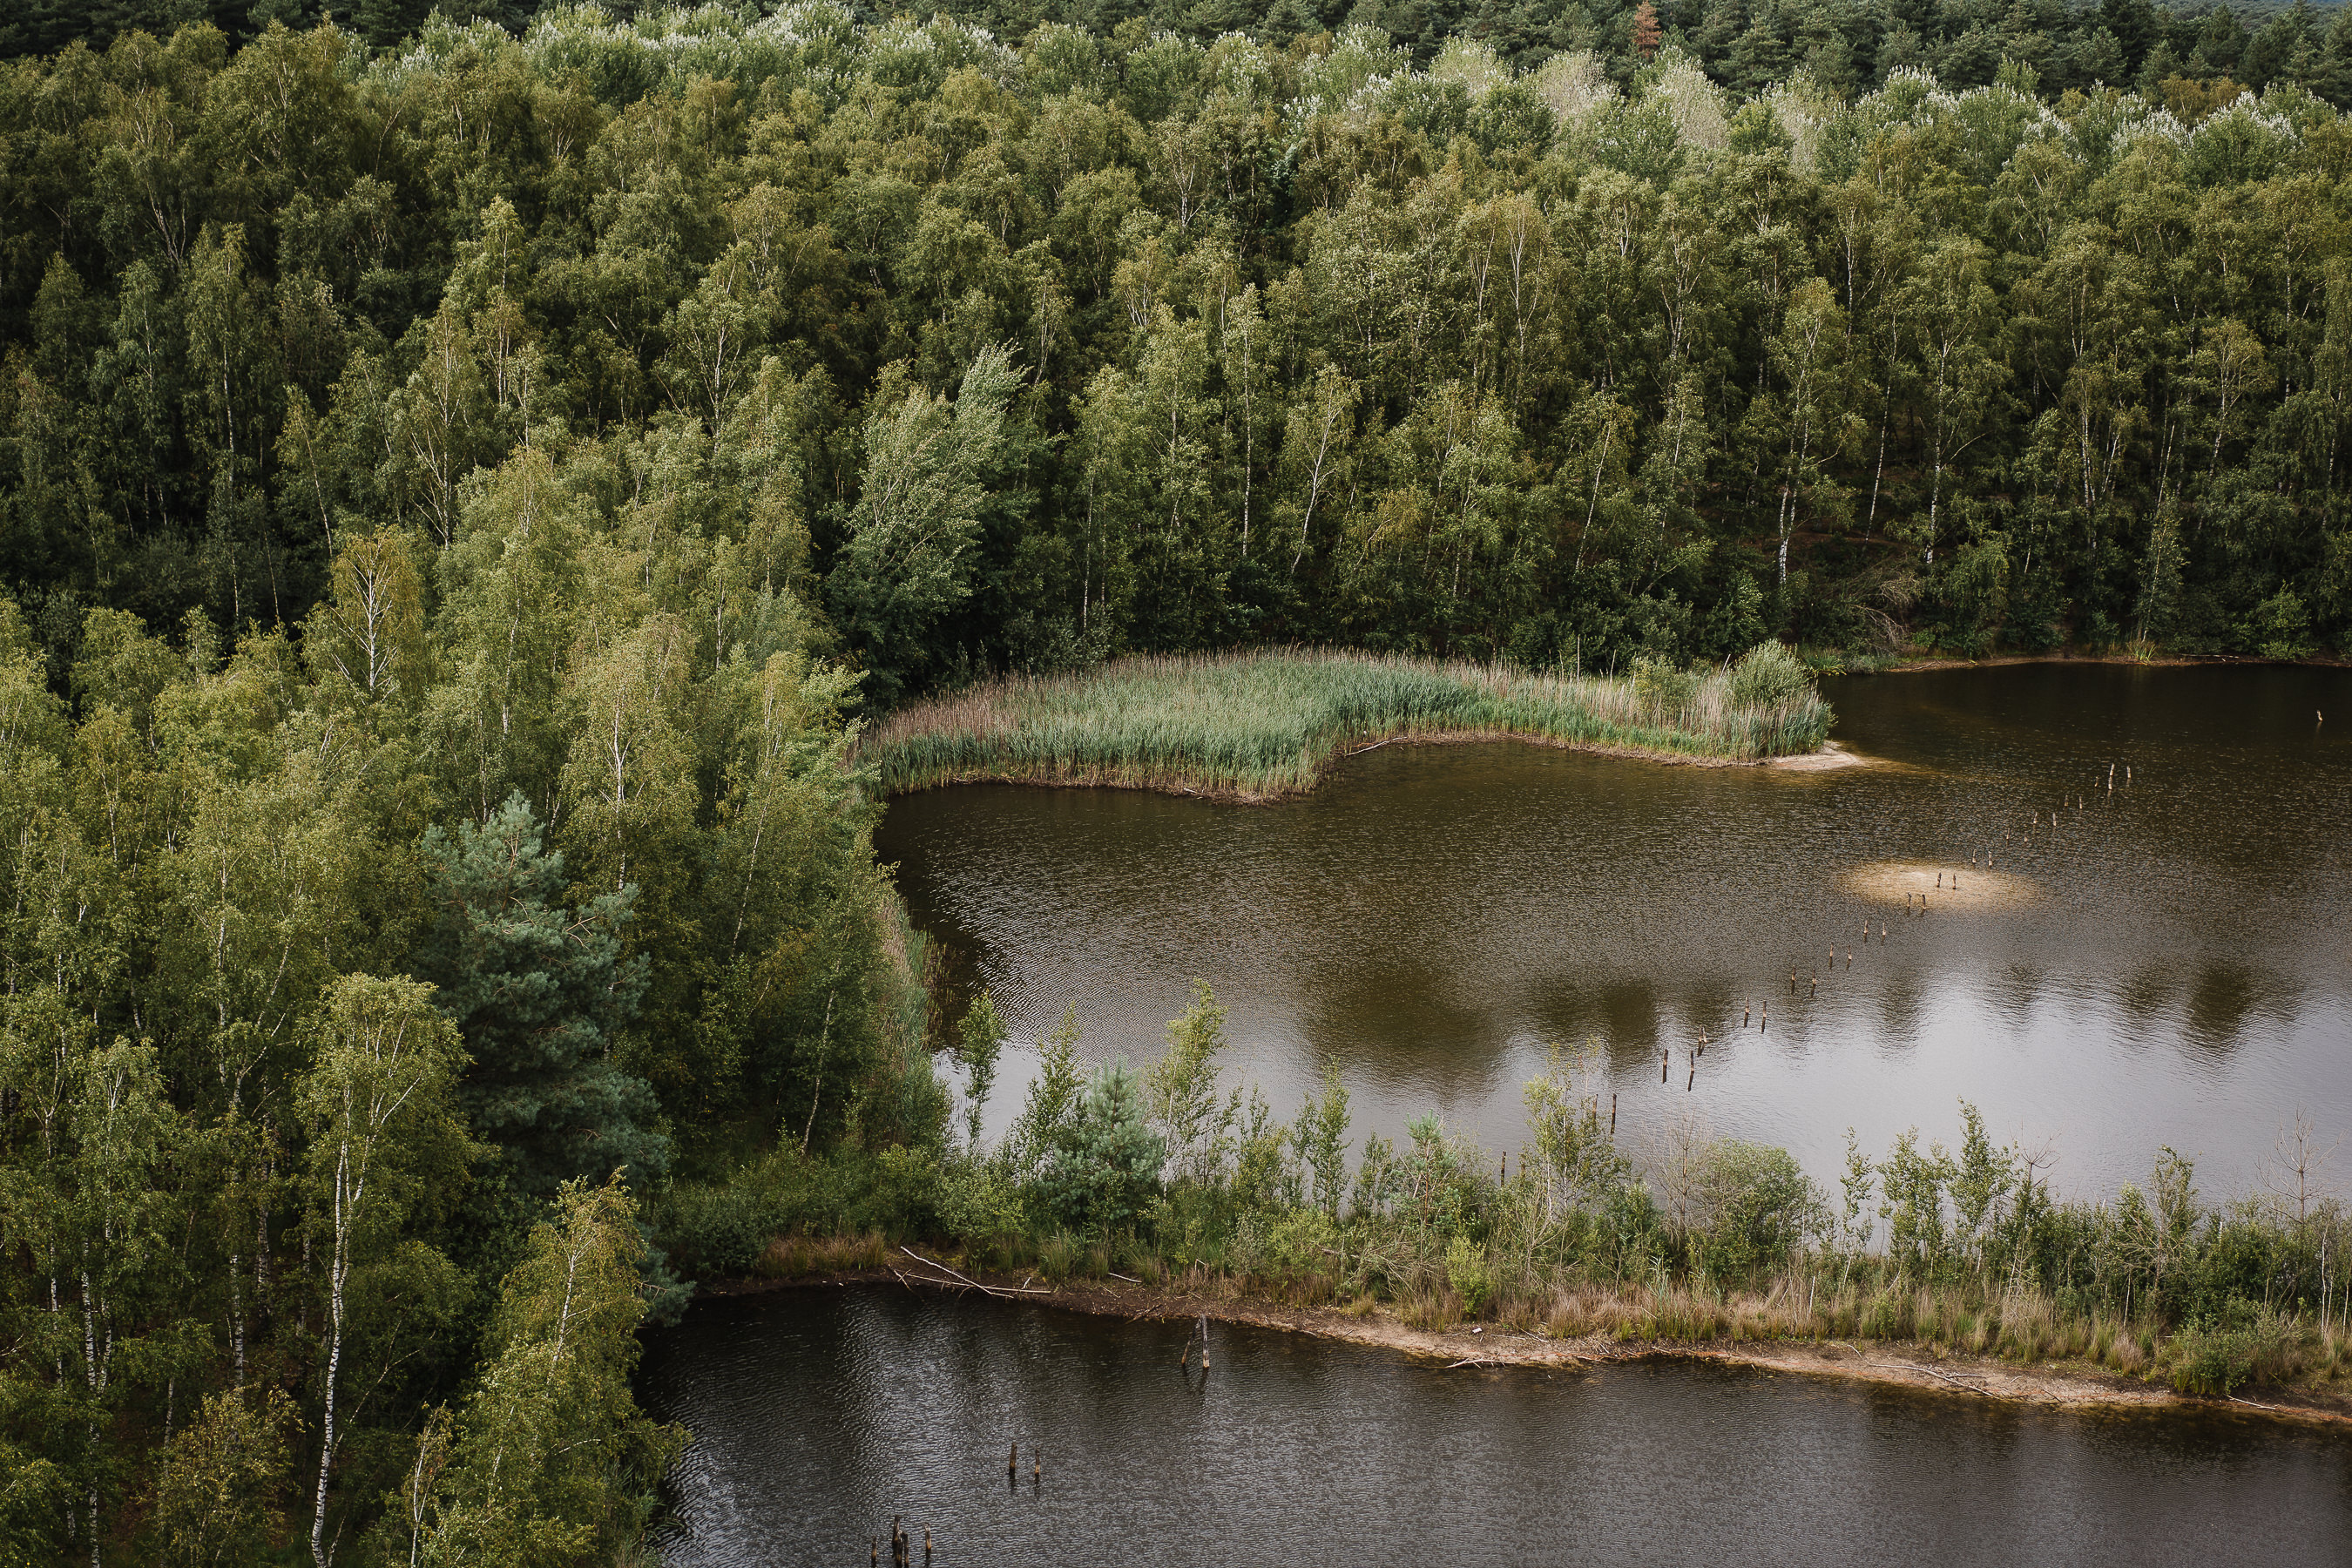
x=1174, y=1175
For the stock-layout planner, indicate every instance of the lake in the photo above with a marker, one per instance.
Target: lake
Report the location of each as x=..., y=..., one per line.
x=820, y=1413
x=2169, y=963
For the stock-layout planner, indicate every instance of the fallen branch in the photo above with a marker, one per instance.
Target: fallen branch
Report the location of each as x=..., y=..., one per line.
x=2256, y=1404
x=1116, y=1275
x=966, y=1279
x=1475, y=1361
x=1931, y=1372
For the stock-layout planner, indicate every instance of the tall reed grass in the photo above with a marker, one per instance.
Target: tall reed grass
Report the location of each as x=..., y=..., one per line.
x=1264, y=725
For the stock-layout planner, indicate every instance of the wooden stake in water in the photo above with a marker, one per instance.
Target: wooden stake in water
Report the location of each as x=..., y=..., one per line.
x=1613, y=1116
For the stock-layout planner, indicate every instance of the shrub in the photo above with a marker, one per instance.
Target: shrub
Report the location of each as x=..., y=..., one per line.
x=2217, y=1356
x=977, y=1205
x=1105, y=1166
x=1762, y=1207
x=1768, y=675
x=1467, y=1271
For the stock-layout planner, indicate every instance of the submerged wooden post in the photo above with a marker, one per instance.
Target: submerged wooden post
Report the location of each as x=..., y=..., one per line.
x=1013, y=1459
x=1613, y=1116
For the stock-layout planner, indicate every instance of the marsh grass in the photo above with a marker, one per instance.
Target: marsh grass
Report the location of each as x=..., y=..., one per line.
x=806, y=1257
x=1265, y=724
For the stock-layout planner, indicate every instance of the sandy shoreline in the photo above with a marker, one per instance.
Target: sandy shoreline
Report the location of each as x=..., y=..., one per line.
x=1830, y=758
x=1493, y=1345
x=2167, y=661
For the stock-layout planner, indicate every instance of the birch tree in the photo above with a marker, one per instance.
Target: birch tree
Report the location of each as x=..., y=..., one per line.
x=385, y=1142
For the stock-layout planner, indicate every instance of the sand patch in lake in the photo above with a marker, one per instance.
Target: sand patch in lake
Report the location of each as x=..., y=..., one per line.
x=1959, y=888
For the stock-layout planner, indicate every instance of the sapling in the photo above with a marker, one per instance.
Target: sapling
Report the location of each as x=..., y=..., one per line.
x=981, y=1038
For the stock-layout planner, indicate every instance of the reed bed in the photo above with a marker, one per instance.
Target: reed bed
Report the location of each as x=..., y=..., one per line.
x=1265, y=724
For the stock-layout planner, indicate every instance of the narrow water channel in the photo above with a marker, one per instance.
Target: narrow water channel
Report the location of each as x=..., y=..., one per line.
x=820, y=1413
x=2169, y=962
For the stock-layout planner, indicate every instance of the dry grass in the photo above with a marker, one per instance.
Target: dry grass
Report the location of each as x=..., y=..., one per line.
x=802, y=1256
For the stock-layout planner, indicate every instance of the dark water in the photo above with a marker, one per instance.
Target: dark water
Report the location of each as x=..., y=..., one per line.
x=820, y=1413
x=1434, y=915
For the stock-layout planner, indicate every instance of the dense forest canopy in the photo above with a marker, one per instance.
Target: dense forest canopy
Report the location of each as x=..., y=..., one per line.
x=1255, y=341
x=461, y=488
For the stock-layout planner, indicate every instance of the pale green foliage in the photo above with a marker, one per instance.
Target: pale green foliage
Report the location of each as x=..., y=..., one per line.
x=554, y=1463
x=219, y=1499
x=1574, y=1160
x=1981, y=1180
x=1914, y=1183
x=1052, y=1105
x=980, y=1038
x=1321, y=1137
x=1105, y=1164
x=1770, y=674
x=907, y=560
x=1466, y=1270
x=1183, y=1091
x=1762, y=1210
x=1854, y=1222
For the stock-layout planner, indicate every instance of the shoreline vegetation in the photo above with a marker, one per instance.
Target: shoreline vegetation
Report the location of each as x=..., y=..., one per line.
x=1261, y=725
x=1167, y=1190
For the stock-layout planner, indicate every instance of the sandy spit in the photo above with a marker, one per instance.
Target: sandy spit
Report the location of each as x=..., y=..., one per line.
x=1493, y=1345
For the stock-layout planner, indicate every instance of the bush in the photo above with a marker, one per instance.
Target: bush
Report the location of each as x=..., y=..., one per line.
x=905, y=1197
x=1467, y=1271
x=1663, y=690
x=1762, y=1207
x=1105, y=1166
x=1768, y=675
x=2217, y=1356
x=977, y=1205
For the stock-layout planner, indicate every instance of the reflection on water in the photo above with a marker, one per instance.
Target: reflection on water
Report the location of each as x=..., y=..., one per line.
x=1433, y=915
x=820, y=1413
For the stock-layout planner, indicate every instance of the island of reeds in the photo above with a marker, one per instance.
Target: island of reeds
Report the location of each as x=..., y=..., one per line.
x=1263, y=725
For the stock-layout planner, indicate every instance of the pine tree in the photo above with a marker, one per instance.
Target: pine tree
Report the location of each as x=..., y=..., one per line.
x=538, y=990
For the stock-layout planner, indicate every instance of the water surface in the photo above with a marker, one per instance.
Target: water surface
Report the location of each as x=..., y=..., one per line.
x=1433, y=917
x=820, y=1413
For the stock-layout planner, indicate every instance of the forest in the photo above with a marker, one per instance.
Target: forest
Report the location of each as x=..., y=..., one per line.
x=466, y=485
